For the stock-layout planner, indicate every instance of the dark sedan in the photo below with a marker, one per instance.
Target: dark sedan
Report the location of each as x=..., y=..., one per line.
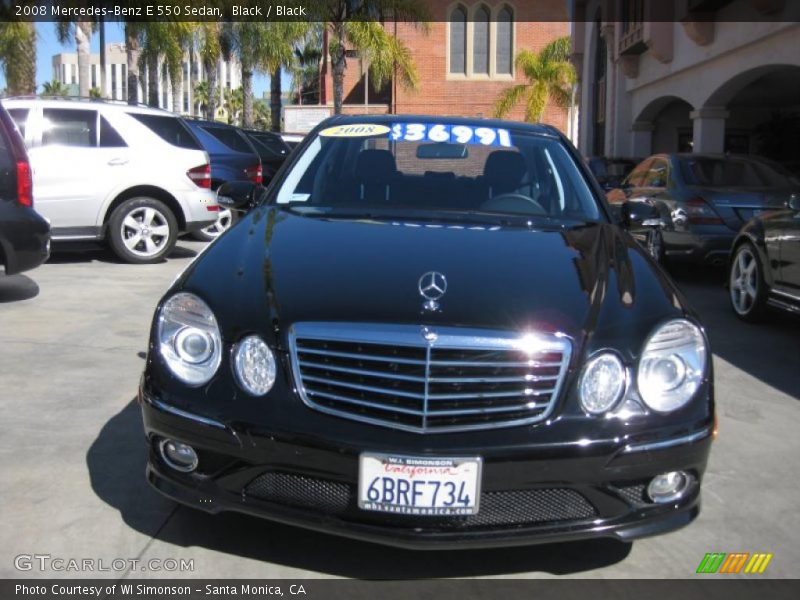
x=695, y=204
x=272, y=150
x=233, y=158
x=24, y=234
x=430, y=332
x=765, y=263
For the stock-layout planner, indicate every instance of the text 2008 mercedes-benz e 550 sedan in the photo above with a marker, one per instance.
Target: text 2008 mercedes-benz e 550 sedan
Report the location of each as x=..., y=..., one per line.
x=429, y=332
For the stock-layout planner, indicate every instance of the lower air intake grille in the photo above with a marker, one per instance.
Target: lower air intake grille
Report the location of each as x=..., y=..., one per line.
x=300, y=491
x=506, y=508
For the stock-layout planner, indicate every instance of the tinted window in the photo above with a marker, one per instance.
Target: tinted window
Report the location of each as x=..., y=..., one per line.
x=230, y=137
x=20, y=116
x=480, y=171
x=109, y=137
x=732, y=172
x=170, y=129
x=269, y=146
x=6, y=160
x=69, y=127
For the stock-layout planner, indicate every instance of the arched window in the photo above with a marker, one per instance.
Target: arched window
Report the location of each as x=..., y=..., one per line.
x=458, y=40
x=505, y=40
x=480, y=41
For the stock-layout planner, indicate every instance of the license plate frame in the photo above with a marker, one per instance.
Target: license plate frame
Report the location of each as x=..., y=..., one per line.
x=468, y=469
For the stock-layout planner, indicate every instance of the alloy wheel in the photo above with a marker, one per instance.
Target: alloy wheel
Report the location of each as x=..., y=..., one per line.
x=145, y=231
x=744, y=281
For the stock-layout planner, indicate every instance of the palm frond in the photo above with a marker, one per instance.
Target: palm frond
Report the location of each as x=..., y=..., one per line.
x=508, y=99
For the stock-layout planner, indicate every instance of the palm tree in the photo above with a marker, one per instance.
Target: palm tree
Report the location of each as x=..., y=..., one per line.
x=550, y=76
x=56, y=88
x=18, y=57
x=211, y=46
x=358, y=25
x=305, y=74
x=133, y=32
x=200, y=95
x=81, y=33
x=262, y=118
x=234, y=101
x=165, y=43
x=265, y=46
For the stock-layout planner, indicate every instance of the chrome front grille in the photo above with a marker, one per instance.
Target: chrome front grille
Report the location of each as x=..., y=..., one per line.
x=428, y=379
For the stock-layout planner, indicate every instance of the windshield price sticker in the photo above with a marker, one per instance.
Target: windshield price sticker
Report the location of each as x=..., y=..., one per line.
x=453, y=134
x=355, y=130
x=419, y=486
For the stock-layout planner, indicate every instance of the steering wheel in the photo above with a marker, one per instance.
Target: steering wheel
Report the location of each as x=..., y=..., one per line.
x=513, y=202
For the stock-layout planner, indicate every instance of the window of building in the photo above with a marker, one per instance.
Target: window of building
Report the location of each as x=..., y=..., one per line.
x=124, y=69
x=481, y=40
x=113, y=82
x=94, y=76
x=458, y=40
x=505, y=40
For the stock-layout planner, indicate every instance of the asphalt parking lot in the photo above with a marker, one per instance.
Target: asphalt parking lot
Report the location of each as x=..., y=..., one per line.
x=73, y=336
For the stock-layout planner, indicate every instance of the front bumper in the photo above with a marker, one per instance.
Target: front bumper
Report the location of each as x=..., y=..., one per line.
x=529, y=495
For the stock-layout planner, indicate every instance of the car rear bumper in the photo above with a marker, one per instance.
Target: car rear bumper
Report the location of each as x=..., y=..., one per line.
x=24, y=238
x=200, y=209
x=709, y=248
x=534, y=495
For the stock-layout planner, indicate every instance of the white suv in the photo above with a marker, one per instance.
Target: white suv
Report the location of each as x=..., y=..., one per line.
x=132, y=176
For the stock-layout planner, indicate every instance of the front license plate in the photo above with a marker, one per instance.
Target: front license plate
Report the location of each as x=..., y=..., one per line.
x=425, y=486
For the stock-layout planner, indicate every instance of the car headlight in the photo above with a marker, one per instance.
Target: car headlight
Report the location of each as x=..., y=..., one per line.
x=672, y=365
x=602, y=383
x=254, y=365
x=189, y=338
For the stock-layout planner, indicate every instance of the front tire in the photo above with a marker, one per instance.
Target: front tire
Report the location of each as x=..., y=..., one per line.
x=142, y=230
x=225, y=221
x=746, y=287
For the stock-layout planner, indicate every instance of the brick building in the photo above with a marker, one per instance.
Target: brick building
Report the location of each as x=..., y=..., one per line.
x=464, y=61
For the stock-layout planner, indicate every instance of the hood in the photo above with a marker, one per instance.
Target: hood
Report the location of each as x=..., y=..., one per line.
x=276, y=268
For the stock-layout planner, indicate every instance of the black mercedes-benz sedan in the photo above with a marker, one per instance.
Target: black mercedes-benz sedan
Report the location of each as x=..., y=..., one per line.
x=430, y=332
x=765, y=263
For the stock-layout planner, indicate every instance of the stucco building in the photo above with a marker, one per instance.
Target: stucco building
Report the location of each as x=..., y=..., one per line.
x=690, y=75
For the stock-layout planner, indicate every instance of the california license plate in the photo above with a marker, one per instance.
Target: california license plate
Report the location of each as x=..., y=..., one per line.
x=425, y=486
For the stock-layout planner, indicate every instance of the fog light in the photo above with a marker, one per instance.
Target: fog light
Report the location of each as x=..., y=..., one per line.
x=668, y=486
x=177, y=455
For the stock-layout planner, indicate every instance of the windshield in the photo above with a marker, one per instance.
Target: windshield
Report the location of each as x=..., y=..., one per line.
x=734, y=172
x=410, y=168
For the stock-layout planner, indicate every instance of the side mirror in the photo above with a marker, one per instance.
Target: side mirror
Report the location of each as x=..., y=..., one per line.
x=637, y=215
x=794, y=202
x=240, y=196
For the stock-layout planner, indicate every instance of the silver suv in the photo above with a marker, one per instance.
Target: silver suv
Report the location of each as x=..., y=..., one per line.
x=132, y=176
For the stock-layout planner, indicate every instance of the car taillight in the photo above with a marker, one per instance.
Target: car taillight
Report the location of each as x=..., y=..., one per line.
x=254, y=173
x=24, y=183
x=201, y=176
x=700, y=212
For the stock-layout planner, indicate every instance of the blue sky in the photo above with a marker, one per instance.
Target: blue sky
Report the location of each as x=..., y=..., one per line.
x=48, y=45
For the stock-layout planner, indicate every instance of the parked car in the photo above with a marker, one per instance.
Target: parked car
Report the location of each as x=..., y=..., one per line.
x=431, y=332
x=695, y=204
x=233, y=158
x=272, y=150
x=24, y=234
x=131, y=176
x=292, y=139
x=610, y=172
x=765, y=263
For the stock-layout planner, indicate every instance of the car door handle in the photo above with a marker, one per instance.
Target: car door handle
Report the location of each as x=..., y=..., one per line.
x=115, y=162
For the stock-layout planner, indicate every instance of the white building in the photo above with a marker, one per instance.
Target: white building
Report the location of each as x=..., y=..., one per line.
x=65, y=70
x=690, y=75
